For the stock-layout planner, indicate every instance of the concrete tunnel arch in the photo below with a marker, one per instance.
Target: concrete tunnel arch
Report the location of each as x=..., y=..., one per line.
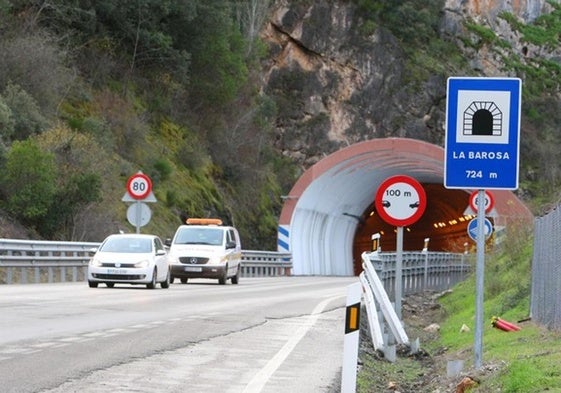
x=328, y=217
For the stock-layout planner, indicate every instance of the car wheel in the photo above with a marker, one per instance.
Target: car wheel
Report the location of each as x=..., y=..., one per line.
x=222, y=280
x=236, y=278
x=152, y=284
x=171, y=279
x=166, y=282
x=92, y=284
x=183, y=280
x=110, y=284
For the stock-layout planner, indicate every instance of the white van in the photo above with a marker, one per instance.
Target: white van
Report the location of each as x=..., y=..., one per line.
x=204, y=248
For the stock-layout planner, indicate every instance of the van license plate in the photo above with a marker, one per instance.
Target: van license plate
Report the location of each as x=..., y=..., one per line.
x=193, y=269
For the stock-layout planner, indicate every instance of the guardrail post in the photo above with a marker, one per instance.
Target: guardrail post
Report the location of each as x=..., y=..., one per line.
x=37, y=275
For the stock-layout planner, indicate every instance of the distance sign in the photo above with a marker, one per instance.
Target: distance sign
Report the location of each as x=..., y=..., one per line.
x=400, y=200
x=139, y=186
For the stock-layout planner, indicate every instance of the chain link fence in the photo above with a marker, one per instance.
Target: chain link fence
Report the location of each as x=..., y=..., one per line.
x=545, y=307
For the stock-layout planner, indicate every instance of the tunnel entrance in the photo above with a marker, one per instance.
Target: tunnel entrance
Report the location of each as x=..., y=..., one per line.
x=329, y=216
x=448, y=234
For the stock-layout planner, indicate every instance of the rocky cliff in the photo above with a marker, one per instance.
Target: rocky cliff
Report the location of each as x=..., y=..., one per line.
x=337, y=83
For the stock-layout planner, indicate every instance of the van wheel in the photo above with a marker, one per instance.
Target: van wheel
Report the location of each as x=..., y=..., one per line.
x=222, y=280
x=236, y=278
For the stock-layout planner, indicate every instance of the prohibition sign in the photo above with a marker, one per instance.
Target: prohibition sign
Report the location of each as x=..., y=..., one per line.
x=139, y=186
x=400, y=200
x=489, y=202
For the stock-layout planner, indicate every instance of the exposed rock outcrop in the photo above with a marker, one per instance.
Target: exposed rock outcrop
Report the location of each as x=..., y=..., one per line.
x=335, y=85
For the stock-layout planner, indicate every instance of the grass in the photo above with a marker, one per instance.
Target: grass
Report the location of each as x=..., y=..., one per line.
x=526, y=361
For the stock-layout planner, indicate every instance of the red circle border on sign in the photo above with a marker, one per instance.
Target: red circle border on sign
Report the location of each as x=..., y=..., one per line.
x=473, y=206
x=400, y=179
x=148, y=189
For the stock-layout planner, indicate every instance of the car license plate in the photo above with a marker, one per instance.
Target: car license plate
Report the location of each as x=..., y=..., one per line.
x=116, y=271
x=193, y=269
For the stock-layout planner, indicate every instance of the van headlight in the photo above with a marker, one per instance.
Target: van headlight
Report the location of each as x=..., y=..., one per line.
x=217, y=260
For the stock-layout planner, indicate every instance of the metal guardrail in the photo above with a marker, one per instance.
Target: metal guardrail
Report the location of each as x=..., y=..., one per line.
x=36, y=261
x=423, y=271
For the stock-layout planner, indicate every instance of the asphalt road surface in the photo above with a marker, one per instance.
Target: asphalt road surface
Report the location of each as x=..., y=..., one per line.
x=264, y=335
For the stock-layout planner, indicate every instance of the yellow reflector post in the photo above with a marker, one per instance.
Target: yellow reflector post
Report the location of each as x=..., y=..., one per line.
x=352, y=318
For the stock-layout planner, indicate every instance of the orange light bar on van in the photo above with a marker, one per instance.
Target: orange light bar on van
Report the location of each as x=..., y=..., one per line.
x=203, y=221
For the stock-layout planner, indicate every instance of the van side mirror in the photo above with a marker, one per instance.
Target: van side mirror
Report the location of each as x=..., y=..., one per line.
x=230, y=245
x=167, y=242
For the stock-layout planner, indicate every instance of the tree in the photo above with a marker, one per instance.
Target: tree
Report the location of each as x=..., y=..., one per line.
x=29, y=182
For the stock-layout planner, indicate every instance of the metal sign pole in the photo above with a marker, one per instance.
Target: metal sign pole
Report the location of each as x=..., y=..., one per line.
x=138, y=216
x=479, y=280
x=399, y=271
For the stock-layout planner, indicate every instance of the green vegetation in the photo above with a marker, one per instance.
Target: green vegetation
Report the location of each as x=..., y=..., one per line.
x=92, y=92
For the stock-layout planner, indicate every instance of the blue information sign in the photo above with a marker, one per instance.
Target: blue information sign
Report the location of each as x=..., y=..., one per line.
x=482, y=133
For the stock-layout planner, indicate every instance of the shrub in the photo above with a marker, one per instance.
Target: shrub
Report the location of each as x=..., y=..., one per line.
x=27, y=116
x=29, y=181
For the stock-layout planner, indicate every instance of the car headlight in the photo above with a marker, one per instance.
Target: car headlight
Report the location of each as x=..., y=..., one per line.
x=143, y=263
x=95, y=262
x=174, y=258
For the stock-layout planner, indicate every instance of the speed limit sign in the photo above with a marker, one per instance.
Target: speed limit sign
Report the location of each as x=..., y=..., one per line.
x=139, y=186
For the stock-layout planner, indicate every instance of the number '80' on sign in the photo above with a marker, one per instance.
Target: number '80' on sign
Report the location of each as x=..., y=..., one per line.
x=139, y=186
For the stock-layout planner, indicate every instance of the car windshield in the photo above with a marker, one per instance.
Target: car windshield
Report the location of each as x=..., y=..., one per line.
x=208, y=236
x=127, y=245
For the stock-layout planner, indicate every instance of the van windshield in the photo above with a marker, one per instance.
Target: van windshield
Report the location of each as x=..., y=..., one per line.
x=208, y=236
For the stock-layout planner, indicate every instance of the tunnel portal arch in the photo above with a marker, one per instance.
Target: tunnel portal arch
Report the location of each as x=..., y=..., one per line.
x=329, y=215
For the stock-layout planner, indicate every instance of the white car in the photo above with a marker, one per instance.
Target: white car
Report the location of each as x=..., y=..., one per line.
x=130, y=259
x=205, y=249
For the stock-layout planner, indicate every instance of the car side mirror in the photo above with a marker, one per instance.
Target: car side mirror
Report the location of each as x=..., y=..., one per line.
x=230, y=245
x=167, y=242
x=161, y=252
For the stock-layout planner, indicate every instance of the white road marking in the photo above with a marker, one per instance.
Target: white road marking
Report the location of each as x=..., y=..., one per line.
x=262, y=377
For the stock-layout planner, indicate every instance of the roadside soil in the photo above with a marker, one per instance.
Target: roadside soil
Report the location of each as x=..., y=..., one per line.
x=425, y=371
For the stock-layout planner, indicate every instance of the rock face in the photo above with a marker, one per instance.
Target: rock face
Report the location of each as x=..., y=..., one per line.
x=335, y=86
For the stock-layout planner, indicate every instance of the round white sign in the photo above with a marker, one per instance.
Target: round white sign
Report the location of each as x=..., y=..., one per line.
x=139, y=214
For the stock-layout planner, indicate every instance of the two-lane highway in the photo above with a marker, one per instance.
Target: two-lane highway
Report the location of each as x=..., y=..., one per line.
x=264, y=335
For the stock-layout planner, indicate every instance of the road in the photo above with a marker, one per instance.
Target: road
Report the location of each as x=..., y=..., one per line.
x=282, y=334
